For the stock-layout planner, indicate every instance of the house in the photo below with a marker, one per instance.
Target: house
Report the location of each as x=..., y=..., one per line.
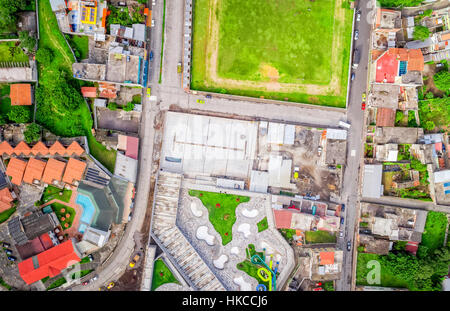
x=388, y=152
x=397, y=135
x=126, y=167
x=326, y=263
x=6, y=200
x=399, y=66
x=372, y=187
x=37, y=245
x=88, y=91
x=385, y=117
x=53, y=172
x=34, y=170
x=20, y=94
x=23, y=230
x=129, y=144
x=74, y=149
x=386, y=28
x=16, y=169
x=49, y=263
x=74, y=171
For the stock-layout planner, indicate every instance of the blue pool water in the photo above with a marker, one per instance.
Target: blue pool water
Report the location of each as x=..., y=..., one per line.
x=82, y=228
x=88, y=211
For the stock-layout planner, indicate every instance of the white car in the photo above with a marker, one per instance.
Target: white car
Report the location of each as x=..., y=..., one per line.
x=153, y=23
x=358, y=16
x=356, y=34
x=154, y=2
x=341, y=234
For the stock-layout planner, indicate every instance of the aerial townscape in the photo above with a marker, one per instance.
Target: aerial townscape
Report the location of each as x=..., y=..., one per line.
x=224, y=145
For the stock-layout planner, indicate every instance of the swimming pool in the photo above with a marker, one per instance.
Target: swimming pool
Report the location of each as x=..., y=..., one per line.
x=88, y=211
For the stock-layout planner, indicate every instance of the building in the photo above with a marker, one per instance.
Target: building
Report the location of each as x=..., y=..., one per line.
x=74, y=171
x=53, y=172
x=126, y=167
x=326, y=264
x=49, y=263
x=385, y=117
x=23, y=230
x=372, y=187
x=20, y=94
x=6, y=200
x=34, y=171
x=15, y=170
x=129, y=144
x=397, y=135
x=88, y=91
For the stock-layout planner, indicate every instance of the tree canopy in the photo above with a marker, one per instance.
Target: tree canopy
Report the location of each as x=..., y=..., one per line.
x=8, y=17
x=421, y=33
x=442, y=80
x=399, y=3
x=32, y=133
x=19, y=114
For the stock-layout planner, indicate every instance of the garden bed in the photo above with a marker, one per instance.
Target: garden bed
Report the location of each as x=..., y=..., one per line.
x=162, y=275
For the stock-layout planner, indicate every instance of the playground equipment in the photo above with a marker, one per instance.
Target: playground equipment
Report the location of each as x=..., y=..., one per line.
x=269, y=273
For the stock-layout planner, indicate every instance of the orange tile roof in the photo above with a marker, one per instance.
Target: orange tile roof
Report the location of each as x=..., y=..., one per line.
x=15, y=169
x=53, y=171
x=39, y=148
x=5, y=199
x=74, y=171
x=74, y=148
x=20, y=94
x=414, y=57
x=5, y=147
x=58, y=148
x=326, y=258
x=49, y=263
x=22, y=148
x=34, y=170
x=385, y=117
x=445, y=36
x=89, y=91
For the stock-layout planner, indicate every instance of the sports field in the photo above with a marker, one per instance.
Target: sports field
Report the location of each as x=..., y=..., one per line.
x=295, y=50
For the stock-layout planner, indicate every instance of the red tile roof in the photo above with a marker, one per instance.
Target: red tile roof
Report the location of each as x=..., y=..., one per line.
x=74, y=148
x=20, y=94
x=15, y=169
x=132, y=147
x=53, y=171
x=5, y=199
x=388, y=64
x=39, y=148
x=283, y=219
x=46, y=241
x=326, y=258
x=385, y=117
x=5, y=147
x=74, y=171
x=89, y=91
x=49, y=263
x=22, y=148
x=57, y=148
x=35, y=169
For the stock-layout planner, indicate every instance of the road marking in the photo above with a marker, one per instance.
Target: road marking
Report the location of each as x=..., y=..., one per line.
x=353, y=153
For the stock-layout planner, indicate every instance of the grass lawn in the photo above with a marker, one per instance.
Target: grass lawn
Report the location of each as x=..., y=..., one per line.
x=305, y=62
x=6, y=214
x=52, y=192
x=51, y=113
x=288, y=234
x=57, y=283
x=434, y=233
x=162, y=275
x=9, y=52
x=222, y=211
x=319, y=236
x=262, y=225
x=45, y=279
x=61, y=211
x=80, y=44
x=82, y=274
x=387, y=278
x=85, y=260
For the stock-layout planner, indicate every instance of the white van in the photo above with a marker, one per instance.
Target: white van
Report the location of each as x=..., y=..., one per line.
x=343, y=124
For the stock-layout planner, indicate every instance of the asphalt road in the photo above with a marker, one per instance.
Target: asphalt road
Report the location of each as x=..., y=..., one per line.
x=355, y=116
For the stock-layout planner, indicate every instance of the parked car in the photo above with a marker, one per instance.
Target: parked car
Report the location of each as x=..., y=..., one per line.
x=439, y=65
x=12, y=258
x=319, y=150
x=363, y=96
x=208, y=96
x=353, y=76
x=110, y=285
x=349, y=246
x=342, y=220
x=153, y=2
x=341, y=234
x=95, y=278
x=90, y=257
x=130, y=216
x=4, y=244
x=363, y=106
x=8, y=251
x=356, y=34
x=151, y=55
x=358, y=16
x=200, y=101
x=342, y=207
x=85, y=283
x=153, y=23
x=149, y=92
x=365, y=231
x=135, y=260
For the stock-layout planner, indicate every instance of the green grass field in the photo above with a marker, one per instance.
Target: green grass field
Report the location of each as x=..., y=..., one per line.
x=434, y=233
x=80, y=44
x=222, y=211
x=52, y=192
x=302, y=46
x=319, y=236
x=9, y=52
x=162, y=275
x=58, y=208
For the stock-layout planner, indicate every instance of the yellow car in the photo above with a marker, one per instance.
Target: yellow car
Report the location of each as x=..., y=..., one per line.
x=132, y=264
x=110, y=285
x=200, y=101
x=149, y=92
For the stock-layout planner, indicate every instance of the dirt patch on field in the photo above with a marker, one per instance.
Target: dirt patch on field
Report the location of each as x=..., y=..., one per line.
x=333, y=88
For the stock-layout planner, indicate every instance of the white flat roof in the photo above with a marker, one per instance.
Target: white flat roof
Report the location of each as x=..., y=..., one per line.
x=372, y=181
x=195, y=144
x=336, y=134
x=126, y=167
x=441, y=176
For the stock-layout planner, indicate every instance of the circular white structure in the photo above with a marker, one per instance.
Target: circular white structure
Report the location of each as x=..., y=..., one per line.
x=219, y=263
x=250, y=213
x=195, y=209
x=243, y=285
x=234, y=250
x=245, y=229
x=202, y=234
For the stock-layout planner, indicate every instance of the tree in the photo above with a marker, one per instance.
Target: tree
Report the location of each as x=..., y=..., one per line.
x=27, y=42
x=421, y=33
x=112, y=106
x=44, y=56
x=8, y=17
x=19, y=114
x=429, y=126
x=129, y=106
x=442, y=80
x=32, y=133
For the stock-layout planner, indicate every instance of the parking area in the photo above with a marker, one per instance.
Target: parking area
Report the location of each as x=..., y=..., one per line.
x=120, y=120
